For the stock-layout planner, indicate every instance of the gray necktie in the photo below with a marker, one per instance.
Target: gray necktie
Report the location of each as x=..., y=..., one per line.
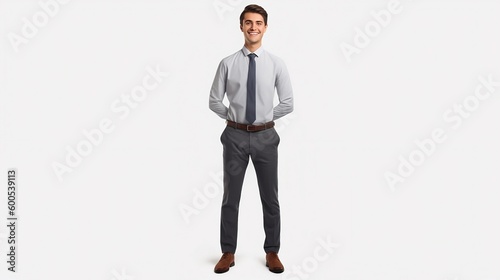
x=251, y=84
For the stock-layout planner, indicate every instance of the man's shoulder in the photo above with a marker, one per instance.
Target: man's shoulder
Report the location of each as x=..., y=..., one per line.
x=278, y=61
x=232, y=57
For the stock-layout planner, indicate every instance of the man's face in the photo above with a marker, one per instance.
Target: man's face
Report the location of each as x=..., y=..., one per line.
x=253, y=28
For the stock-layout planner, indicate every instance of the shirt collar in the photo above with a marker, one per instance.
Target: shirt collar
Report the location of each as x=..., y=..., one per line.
x=258, y=52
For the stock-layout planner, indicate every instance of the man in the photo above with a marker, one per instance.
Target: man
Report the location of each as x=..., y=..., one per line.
x=250, y=77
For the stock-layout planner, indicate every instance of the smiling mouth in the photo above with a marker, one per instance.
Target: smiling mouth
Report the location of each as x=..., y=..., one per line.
x=253, y=33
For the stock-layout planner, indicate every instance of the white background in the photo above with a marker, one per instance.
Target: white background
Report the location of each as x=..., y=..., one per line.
x=117, y=214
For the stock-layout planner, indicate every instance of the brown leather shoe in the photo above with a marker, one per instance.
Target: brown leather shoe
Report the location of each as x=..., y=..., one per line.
x=226, y=261
x=274, y=263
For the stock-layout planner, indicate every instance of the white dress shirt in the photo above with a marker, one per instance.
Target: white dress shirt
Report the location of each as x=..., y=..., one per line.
x=231, y=79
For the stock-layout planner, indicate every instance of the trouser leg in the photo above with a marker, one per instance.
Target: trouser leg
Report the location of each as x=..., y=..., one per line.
x=264, y=154
x=235, y=160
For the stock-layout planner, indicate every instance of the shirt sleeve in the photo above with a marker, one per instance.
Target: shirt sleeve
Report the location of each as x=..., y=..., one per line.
x=218, y=91
x=285, y=93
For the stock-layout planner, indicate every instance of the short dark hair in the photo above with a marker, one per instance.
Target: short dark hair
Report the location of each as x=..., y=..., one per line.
x=254, y=9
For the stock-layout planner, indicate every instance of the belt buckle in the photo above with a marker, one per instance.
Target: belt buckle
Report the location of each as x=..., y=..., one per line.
x=251, y=130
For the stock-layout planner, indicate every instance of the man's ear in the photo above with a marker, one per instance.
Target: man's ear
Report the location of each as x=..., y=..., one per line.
x=241, y=27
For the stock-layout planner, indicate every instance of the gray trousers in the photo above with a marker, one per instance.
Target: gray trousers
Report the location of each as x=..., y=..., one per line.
x=262, y=148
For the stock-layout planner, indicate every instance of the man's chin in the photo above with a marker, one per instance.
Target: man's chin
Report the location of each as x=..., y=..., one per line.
x=253, y=41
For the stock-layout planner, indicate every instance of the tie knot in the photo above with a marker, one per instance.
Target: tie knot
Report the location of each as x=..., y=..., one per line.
x=252, y=55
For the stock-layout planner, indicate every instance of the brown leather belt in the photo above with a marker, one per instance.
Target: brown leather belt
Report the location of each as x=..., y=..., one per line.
x=250, y=127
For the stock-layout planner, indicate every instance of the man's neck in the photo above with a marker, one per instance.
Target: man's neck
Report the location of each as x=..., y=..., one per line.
x=253, y=47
